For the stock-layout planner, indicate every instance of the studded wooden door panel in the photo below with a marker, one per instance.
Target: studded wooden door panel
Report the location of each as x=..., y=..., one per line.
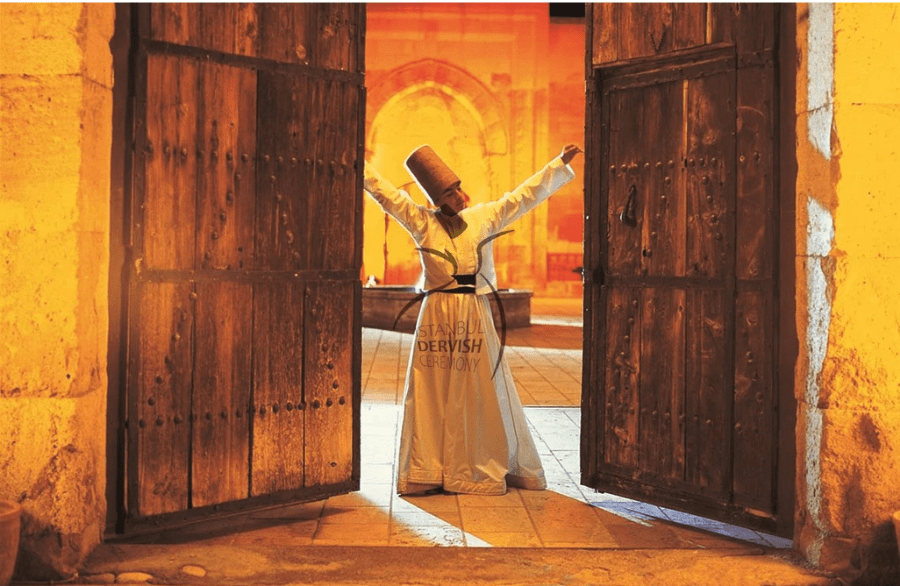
x=244, y=295
x=680, y=405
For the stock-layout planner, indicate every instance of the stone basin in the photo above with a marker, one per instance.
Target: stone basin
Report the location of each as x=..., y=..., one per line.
x=383, y=303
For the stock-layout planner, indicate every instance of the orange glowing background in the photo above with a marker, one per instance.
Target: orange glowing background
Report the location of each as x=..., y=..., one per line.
x=496, y=90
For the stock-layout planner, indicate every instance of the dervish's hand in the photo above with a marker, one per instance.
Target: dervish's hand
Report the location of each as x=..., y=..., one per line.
x=568, y=153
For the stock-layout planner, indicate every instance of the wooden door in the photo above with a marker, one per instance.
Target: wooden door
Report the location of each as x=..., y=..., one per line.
x=243, y=381
x=680, y=398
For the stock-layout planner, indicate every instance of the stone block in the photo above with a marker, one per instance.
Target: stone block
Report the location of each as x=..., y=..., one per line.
x=41, y=39
x=42, y=123
x=861, y=369
x=860, y=462
x=56, y=472
x=96, y=27
x=39, y=348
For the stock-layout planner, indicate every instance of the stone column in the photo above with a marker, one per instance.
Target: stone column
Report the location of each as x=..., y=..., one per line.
x=55, y=127
x=848, y=290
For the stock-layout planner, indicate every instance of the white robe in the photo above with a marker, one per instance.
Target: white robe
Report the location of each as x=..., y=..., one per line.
x=463, y=424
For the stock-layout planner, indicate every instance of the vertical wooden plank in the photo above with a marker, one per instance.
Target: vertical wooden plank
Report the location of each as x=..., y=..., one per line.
x=246, y=29
x=172, y=22
x=227, y=28
x=328, y=215
x=227, y=126
x=221, y=430
x=285, y=166
x=707, y=435
x=662, y=383
x=720, y=23
x=755, y=413
x=754, y=27
x=626, y=121
x=287, y=31
x=356, y=26
x=623, y=374
x=340, y=197
x=163, y=398
x=755, y=174
x=324, y=111
x=241, y=198
x=335, y=47
x=645, y=29
x=709, y=161
x=170, y=166
x=327, y=379
x=605, y=33
x=663, y=201
x=212, y=27
x=688, y=25
x=278, y=436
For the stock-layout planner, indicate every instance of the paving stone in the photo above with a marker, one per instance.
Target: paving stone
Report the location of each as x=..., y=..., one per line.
x=133, y=578
x=194, y=571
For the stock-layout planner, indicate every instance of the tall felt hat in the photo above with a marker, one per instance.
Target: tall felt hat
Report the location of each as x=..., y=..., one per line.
x=430, y=172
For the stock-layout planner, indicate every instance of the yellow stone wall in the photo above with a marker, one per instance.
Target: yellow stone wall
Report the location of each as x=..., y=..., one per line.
x=848, y=285
x=55, y=129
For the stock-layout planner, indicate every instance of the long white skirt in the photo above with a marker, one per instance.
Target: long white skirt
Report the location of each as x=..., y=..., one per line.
x=463, y=429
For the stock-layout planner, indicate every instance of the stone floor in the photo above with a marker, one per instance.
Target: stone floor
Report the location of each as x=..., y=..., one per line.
x=546, y=363
x=567, y=534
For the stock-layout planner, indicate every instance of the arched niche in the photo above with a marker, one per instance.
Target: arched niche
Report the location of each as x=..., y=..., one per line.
x=436, y=103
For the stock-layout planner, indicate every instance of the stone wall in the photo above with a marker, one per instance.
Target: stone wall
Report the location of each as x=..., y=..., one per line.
x=848, y=288
x=55, y=128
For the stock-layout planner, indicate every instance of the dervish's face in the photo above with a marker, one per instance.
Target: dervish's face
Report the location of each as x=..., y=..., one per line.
x=453, y=200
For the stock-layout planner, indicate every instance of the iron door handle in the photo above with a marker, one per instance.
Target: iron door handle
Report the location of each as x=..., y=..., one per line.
x=628, y=216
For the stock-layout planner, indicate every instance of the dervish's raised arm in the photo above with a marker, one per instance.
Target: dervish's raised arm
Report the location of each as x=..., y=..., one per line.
x=395, y=202
x=534, y=190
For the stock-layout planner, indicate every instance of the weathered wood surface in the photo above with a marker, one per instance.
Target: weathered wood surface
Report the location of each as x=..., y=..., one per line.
x=226, y=27
x=755, y=403
x=662, y=384
x=663, y=233
x=328, y=386
x=628, y=189
x=161, y=406
x=628, y=31
x=681, y=336
x=709, y=166
x=248, y=129
x=319, y=35
x=707, y=435
x=622, y=444
x=220, y=446
x=225, y=149
x=170, y=196
x=756, y=203
x=286, y=160
x=278, y=425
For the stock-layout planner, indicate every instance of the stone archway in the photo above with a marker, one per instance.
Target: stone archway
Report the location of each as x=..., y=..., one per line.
x=434, y=102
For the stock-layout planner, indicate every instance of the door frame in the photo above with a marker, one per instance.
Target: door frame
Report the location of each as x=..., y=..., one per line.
x=786, y=353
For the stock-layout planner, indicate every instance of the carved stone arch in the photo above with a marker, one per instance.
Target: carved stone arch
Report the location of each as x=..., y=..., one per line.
x=457, y=83
x=471, y=130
